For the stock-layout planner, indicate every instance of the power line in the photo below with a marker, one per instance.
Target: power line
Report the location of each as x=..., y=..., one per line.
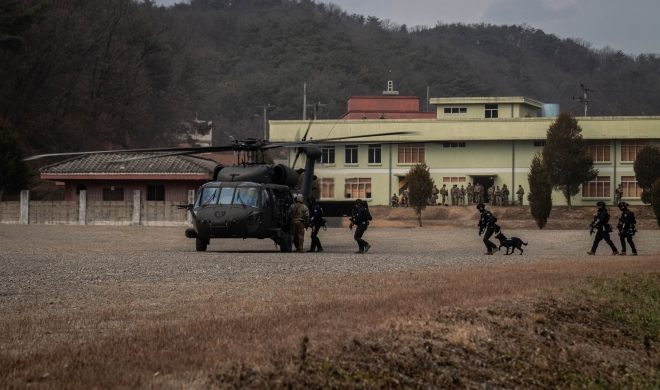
x=265, y=107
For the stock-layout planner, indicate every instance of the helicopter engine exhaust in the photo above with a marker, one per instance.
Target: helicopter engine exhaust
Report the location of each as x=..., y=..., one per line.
x=285, y=175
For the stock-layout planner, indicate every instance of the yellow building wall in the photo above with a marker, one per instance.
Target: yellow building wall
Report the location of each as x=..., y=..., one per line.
x=498, y=148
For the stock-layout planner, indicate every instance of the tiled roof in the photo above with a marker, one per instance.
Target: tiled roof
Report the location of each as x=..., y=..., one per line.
x=103, y=164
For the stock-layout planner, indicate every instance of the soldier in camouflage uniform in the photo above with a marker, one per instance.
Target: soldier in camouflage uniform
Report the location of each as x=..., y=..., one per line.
x=461, y=196
x=299, y=217
x=491, y=196
x=618, y=193
x=470, y=193
x=505, y=195
x=478, y=193
x=444, y=193
x=520, y=194
x=498, y=196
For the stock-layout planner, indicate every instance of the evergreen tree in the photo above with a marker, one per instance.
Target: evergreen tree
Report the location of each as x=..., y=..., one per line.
x=647, y=169
x=655, y=199
x=420, y=185
x=540, y=191
x=566, y=158
x=14, y=172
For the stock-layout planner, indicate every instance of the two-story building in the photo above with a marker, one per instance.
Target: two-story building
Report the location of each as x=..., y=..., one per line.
x=486, y=140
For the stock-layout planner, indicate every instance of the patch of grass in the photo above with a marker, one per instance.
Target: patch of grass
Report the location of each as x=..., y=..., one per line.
x=632, y=300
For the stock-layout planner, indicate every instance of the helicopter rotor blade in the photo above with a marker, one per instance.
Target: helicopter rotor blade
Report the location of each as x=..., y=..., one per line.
x=323, y=140
x=177, y=150
x=304, y=138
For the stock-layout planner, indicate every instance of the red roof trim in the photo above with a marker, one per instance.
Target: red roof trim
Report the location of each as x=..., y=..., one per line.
x=134, y=176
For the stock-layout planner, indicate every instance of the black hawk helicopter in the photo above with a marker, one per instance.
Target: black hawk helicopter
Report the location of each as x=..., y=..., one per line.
x=246, y=200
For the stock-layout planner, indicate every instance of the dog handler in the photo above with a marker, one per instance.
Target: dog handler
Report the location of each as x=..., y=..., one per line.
x=487, y=224
x=600, y=223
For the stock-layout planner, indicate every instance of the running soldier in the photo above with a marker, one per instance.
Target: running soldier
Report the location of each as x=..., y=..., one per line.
x=299, y=217
x=487, y=228
x=626, y=228
x=600, y=223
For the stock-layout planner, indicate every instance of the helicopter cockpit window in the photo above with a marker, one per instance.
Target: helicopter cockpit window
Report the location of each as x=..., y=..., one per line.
x=246, y=196
x=226, y=195
x=264, y=199
x=208, y=196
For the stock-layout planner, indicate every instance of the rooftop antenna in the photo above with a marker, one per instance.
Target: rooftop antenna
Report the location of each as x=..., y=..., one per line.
x=583, y=99
x=390, y=86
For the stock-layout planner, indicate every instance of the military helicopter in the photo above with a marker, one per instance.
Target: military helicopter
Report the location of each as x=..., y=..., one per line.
x=245, y=200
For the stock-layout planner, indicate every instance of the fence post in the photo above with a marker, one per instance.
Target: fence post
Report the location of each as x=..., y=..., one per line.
x=136, y=207
x=25, y=207
x=82, y=208
x=191, y=200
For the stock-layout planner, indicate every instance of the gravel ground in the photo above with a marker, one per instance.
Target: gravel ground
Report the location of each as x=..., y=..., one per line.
x=57, y=260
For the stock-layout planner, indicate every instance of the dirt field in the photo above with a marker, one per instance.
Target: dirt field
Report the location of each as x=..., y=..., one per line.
x=135, y=307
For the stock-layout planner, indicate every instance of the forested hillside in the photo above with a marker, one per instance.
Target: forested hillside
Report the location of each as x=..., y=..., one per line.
x=88, y=74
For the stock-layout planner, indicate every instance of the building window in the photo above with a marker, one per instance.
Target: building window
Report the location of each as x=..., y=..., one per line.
x=538, y=144
x=631, y=188
x=597, y=188
x=455, y=110
x=358, y=188
x=351, y=154
x=155, y=192
x=327, y=155
x=113, y=193
x=491, y=111
x=629, y=149
x=81, y=187
x=453, y=179
x=453, y=144
x=374, y=154
x=411, y=153
x=599, y=150
x=327, y=188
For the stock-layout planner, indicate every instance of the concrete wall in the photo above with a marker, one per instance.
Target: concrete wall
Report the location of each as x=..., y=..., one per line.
x=10, y=212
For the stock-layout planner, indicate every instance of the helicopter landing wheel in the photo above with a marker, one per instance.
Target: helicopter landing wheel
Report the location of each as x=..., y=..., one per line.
x=201, y=244
x=285, y=243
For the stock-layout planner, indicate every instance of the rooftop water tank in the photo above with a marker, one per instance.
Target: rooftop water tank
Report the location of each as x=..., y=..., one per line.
x=550, y=110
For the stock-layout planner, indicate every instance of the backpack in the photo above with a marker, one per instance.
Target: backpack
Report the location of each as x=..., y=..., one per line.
x=633, y=221
x=369, y=218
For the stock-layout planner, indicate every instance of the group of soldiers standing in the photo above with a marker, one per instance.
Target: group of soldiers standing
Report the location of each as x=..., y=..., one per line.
x=457, y=196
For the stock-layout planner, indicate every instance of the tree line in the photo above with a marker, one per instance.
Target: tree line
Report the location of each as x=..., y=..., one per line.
x=81, y=75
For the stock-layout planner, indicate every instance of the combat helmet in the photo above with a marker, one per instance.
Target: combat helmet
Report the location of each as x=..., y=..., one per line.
x=311, y=200
x=481, y=206
x=622, y=205
x=299, y=198
x=600, y=204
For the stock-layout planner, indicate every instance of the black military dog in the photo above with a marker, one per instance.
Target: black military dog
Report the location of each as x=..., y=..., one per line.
x=512, y=242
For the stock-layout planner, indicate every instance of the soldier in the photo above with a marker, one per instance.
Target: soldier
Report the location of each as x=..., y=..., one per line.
x=434, y=195
x=444, y=193
x=454, y=195
x=498, y=196
x=395, y=200
x=299, y=217
x=505, y=195
x=626, y=228
x=470, y=193
x=461, y=195
x=600, y=223
x=316, y=222
x=405, y=198
x=478, y=192
x=491, y=195
x=520, y=194
x=618, y=193
x=361, y=221
x=487, y=228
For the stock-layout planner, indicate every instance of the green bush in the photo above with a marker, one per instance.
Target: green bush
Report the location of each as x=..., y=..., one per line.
x=655, y=199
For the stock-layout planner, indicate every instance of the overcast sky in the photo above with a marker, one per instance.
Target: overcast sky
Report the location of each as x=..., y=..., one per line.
x=630, y=26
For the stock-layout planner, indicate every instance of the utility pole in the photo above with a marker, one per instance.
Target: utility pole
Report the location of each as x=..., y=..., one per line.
x=316, y=106
x=583, y=99
x=266, y=107
x=427, y=97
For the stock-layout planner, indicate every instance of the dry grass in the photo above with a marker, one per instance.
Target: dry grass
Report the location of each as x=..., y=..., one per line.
x=415, y=329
